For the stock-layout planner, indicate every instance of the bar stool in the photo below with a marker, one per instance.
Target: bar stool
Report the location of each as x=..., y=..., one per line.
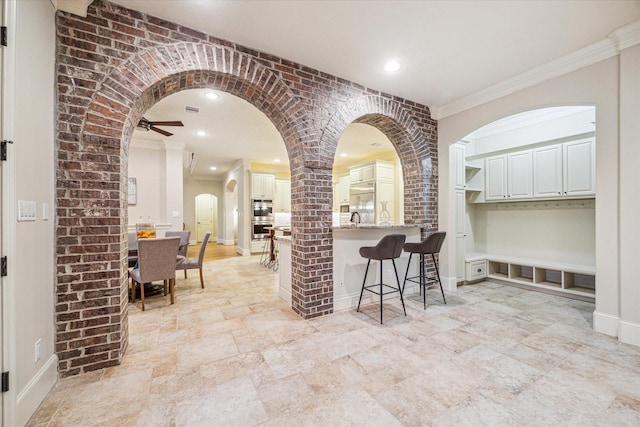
x=429, y=246
x=389, y=247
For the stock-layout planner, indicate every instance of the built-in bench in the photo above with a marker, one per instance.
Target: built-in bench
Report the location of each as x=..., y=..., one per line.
x=571, y=279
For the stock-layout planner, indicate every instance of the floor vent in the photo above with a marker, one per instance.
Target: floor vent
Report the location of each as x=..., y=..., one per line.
x=189, y=109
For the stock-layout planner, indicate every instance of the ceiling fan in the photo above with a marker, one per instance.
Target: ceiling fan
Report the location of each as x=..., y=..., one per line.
x=149, y=125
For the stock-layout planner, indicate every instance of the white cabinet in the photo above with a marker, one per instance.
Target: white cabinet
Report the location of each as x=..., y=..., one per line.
x=459, y=166
x=519, y=175
x=262, y=186
x=508, y=176
x=362, y=173
x=383, y=175
x=460, y=233
x=495, y=178
x=547, y=171
x=564, y=169
x=343, y=190
x=579, y=168
x=282, y=199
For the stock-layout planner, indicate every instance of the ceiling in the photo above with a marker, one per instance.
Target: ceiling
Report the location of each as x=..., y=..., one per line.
x=448, y=51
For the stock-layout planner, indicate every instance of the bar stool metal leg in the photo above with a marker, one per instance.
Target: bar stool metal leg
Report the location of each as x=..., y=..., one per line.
x=398, y=282
x=381, y=291
x=364, y=282
x=406, y=274
x=438, y=275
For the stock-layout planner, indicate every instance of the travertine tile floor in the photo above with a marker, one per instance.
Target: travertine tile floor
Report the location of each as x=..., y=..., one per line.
x=233, y=354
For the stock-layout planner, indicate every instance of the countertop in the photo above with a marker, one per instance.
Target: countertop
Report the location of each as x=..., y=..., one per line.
x=376, y=227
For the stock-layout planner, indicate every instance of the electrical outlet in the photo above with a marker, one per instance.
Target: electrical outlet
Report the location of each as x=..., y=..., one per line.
x=341, y=283
x=38, y=350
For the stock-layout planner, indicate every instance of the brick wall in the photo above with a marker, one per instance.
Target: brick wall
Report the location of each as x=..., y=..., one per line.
x=115, y=64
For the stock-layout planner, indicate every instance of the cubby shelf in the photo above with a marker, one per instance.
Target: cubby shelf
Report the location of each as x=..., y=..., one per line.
x=568, y=278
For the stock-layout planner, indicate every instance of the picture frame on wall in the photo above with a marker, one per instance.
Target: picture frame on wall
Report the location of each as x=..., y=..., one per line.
x=132, y=197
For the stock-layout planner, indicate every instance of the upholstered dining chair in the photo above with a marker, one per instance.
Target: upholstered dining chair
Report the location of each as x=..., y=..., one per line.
x=184, y=243
x=193, y=263
x=156, y=261
x=132, y=258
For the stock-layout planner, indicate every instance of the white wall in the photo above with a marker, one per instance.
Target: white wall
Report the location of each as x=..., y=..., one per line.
x=563, y=232
x=147, y=165
x=629, y=195
x=594, y=85
x=28, y=292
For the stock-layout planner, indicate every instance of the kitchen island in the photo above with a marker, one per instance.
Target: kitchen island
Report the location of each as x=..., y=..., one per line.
x=349, y=266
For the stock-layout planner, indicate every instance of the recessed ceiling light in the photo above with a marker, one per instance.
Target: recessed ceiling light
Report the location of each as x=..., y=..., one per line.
x=211, y=95
x=392, y=66
x=343, y=155
x=213, y=168
x=276, y=160
x=201, y=133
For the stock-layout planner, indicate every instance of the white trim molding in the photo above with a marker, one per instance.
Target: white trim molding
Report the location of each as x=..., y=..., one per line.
x=622, y=38
x=629, y=333
x=606, y=323
x=30, y=397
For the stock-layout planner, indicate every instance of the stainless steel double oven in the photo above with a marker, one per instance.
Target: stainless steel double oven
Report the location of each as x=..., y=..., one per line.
x=262, y=219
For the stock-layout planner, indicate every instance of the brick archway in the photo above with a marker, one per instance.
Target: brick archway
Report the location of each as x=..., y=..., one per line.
x=412, y=134
x=111, y=66
x=115, y=109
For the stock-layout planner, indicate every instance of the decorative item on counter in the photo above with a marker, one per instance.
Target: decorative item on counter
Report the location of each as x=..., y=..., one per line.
x=146, y=230
x=385, y=216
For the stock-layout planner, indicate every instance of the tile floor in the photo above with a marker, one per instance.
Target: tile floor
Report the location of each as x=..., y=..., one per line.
x=233, y=354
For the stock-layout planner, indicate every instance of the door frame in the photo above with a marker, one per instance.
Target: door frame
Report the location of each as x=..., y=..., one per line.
x=8, y=401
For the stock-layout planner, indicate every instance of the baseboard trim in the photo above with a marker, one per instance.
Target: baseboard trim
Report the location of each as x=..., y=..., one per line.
x=227, y=242
x=629, y=333
x=606, y=324
x=450, y=284
x=30, y=397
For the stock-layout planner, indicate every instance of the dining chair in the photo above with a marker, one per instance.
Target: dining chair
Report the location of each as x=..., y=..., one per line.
x=156, y=261
x=193, y=263
x=132, y=257
x=184, y=243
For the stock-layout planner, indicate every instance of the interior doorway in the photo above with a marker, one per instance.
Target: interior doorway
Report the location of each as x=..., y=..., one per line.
x=231, y=213
x=206, y=216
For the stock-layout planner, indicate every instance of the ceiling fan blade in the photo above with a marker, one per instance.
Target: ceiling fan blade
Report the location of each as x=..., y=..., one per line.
x=163, y=132
x=170, y=123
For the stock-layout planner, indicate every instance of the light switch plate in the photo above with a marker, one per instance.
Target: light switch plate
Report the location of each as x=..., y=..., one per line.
x=26, y=210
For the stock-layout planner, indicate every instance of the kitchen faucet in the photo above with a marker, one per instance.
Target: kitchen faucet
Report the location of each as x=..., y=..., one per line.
x=353, y=217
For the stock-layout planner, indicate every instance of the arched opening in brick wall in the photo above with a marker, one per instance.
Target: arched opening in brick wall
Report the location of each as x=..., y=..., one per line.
x=102, y=157
x=418, y=158
x=116, y=63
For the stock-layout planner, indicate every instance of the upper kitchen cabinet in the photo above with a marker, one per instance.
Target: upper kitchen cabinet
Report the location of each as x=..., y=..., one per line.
x=343, y=190
x=262, y=186
x=565, y=170
x=374, y=171
x=282, y=200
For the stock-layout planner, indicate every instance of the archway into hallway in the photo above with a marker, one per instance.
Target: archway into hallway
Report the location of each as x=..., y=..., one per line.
x=231, y=213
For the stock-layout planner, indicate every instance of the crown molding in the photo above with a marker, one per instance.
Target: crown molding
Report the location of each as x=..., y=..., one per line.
x=621, y=38
x=76, y=7
x=626, y=36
